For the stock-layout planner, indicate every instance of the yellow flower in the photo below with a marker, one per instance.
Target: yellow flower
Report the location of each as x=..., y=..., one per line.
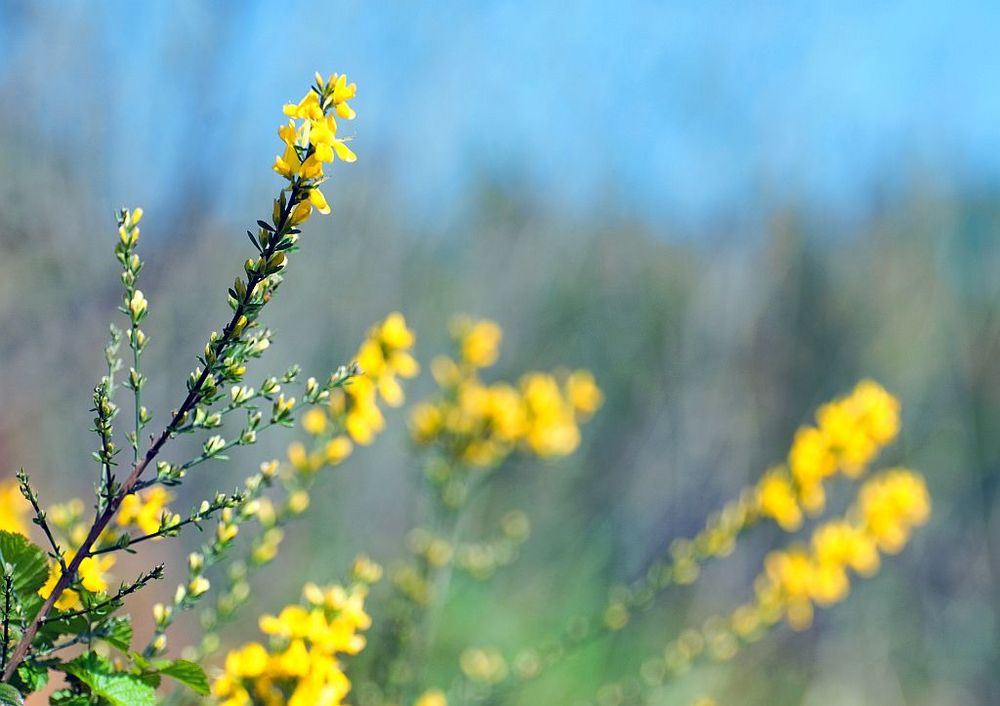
x=840, y=543
x=302, y=666
x=776, y=499
x=298, y=502
x=481, y=425
x=891, y=505
x=479, y=341
x=249, y=661
x=310, y=141
x=137, y=305
x=366, y=570
x=306, y=109
x=425, y=422
x=314, y=421
x=434, y=697
x=301, y=213
x=13, y=508
x=810, y=459
x=198, y=585
x=343, y=92
x=583, y=392
x=144, y=511
x=68, y=599
x=92, y=575
x=318, y=200
x=394, y=334
x=337, y=449
x=93, y=572
x=483, y=665
x=552, y=428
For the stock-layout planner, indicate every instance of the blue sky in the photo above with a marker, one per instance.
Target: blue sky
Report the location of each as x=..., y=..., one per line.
x=684, y=112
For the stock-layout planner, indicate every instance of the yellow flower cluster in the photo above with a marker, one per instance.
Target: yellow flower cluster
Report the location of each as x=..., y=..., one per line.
x=480, y=424
x=301, y=664
x=310, y=139
x=889, y=506
x=353, y=415
x=848, y=434
x=92, y=575
x=145, y=510
x=13, y=508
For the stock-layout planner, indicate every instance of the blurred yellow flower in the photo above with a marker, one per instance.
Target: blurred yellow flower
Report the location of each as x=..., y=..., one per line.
x=144, y=510
x=13, y=508
x=301, y=665
x=434, y=697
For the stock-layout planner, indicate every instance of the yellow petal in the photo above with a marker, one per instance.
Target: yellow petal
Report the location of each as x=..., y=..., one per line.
x=317, y=199
x=324, y=152
x=344, y=152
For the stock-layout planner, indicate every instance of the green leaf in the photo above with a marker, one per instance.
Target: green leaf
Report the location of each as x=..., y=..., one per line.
x=31, y=568
x=52, y=629
x=9, y=696
x=187, y=673
x=119, y=633
x=118, y=688
x=31, y=676
x=67, y=697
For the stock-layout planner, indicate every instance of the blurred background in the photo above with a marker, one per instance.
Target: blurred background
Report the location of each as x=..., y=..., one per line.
x=729, y=212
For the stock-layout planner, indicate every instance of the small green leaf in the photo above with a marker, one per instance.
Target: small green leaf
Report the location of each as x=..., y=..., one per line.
x=31, y=569
x=9, y=696
x=119, y=633
x=187, y=673
x=67, y=697
x=31, y=676
x=118, y=688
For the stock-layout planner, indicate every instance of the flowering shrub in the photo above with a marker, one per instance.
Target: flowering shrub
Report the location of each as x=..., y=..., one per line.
x=65, y=612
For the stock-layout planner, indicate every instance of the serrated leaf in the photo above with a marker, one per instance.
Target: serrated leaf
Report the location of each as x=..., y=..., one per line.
x=119, y=633
x=187, y=673
x=31, y=568
x=9, y=696
x=118, y=688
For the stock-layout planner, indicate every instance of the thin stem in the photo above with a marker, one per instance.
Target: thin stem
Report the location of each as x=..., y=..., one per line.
x=166, y=531
x=154, y=574
x=114, y=364
x=32, y=498
x=229, y=408
x=109, y=479
x=8, y=590
x=138, y=395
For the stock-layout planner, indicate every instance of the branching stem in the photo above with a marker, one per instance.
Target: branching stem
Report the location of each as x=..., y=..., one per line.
x=68, y=575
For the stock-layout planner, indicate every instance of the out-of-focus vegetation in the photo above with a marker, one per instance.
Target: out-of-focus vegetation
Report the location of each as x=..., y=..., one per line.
x=711, y=348
x=710, y=356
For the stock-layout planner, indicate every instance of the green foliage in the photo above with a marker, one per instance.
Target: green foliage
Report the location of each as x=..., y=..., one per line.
x=97, y=676
x=31, y=676
x=31, y=570
x=187, y=673
x=9, y=696
x=118, y=633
